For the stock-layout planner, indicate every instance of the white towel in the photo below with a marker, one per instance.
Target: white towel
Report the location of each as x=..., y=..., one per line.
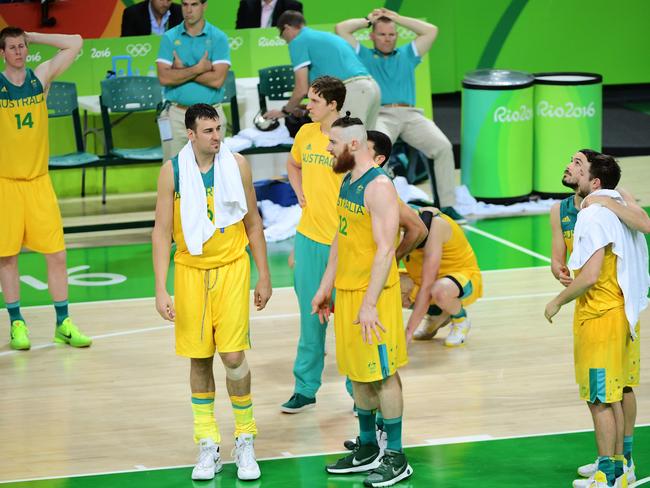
x=597, y=227
x=229, y=197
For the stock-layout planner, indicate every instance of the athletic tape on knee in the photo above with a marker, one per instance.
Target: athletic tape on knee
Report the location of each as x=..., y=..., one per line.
x=238, y=373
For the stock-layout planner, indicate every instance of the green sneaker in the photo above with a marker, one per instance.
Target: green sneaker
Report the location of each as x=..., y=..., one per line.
x=19, y=336
x=297, y=403
x=393, y=469
x=67, y=333
x=451, y=212
x=363, y=458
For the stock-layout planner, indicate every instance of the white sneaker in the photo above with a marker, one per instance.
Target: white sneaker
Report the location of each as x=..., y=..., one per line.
x=597, y=480
x=244, y=454
x=428, y=329
x=621, y=482
x=629, y=472
x=588, y=470
x=458, y=334
x=209, y=461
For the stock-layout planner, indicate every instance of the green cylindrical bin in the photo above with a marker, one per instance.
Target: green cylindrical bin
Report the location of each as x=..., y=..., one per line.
x=497, y=135
x=568, y=117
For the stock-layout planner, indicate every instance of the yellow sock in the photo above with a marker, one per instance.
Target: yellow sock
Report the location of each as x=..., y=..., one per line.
x=205, y=425
x=242, y=407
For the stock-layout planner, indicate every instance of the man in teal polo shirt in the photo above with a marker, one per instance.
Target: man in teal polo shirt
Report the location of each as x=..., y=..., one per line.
x=193, y=63
x=315, y=54
x=394, y=70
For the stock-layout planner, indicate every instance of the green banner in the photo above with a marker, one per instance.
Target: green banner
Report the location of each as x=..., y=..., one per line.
x=250, y=50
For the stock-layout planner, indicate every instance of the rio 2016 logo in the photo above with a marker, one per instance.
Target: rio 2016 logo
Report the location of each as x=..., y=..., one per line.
x=100, y=53
x=139, y=49
x=566, y=111
x=270, y=42
x=34, y=57
x=235, y=43
x=505, y=114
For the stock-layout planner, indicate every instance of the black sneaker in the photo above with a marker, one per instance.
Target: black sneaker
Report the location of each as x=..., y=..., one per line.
x=297, y=403
x=393, y=468
x=351, y=444
x=451, y=212
x=382, y=441
x=363, y=458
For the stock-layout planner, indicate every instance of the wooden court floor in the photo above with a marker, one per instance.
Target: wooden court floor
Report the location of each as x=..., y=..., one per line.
x=124, y=403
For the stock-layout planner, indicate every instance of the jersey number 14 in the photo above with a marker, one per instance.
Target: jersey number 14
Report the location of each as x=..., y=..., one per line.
x=26, y=121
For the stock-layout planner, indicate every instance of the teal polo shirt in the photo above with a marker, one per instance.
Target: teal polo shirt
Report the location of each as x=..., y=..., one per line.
x=394, y=72
x=190, y=50
x=324, y=53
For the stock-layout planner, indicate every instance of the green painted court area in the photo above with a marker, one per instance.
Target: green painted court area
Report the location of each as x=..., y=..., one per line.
x=122, y=272
x=547, y=461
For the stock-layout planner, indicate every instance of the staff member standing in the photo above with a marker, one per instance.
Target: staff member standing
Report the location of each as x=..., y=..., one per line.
x=193, y=63
x=315, y=54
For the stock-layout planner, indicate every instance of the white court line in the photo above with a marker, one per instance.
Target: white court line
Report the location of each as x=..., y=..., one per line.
x=275, y=288
x=458, y=440
x=507, y=243
x=429, y=443
x=260, y=317
x=640, y=482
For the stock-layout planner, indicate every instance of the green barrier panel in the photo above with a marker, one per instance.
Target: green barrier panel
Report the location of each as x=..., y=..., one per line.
x=250, y=50
x=497, y=135
x=568, y=117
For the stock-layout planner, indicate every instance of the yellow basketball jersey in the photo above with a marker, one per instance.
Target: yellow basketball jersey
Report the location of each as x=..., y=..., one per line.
x=319, y=184
x=25, y=148
x=568, y=219
x=356, y=245
x=223, y=247
x=605, y=295
x=457, y=255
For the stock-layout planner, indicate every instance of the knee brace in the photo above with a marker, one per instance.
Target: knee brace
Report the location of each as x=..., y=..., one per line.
x=238, y=373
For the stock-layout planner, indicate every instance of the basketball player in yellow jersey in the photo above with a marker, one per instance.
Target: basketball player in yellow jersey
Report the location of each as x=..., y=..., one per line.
x=563, y=219
x=211, y=281
x=309, y=167
x=29, y=212
x=370, y=341
x=602, y=333
x=447, y=279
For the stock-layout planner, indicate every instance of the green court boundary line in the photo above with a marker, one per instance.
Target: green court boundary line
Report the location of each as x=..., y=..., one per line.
x=479, y=438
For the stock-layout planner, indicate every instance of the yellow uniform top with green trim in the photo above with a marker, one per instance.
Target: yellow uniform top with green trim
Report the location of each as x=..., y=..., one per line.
x=356, y=244
x=457, y=255
x=223, y=247
x=25, y=147
x=320, y=184
x=605, y=295
x=568, y=219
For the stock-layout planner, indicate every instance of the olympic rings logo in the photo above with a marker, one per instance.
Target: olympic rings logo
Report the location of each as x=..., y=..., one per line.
x=139, y=49
x=235, y=43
